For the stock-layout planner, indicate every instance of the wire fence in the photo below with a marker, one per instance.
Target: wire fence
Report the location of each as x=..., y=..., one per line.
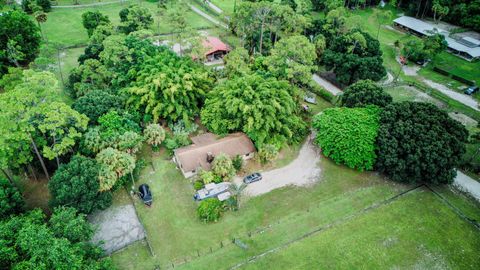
x=237, y=239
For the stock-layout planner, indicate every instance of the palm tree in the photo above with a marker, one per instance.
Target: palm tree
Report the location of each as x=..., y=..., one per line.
x=236, y=191
x=41, y=17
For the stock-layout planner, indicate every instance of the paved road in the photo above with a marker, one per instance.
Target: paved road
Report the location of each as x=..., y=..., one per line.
x=460, y=97
x=88, y=5
x=302, y=171
x=467, y=184
x=215, y=8
x=327, y=85
x=208, y=17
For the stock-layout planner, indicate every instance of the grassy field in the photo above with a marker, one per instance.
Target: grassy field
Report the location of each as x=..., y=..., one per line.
x=226, y=5
x=65, y=25
x=177, y=236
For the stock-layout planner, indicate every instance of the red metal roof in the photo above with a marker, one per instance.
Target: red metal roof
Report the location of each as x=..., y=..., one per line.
x=213, y=44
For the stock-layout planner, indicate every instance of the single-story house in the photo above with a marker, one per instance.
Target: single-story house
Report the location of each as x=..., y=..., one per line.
x=205, y=147
x=215, y=48
x=466, y=47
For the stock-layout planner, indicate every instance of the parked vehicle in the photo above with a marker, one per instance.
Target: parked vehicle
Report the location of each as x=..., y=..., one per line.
x=145, y=194
x=211, y=190
x=471, y=90
x=254, y=177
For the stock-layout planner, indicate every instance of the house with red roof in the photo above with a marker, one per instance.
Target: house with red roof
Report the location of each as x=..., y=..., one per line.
x=215, y=48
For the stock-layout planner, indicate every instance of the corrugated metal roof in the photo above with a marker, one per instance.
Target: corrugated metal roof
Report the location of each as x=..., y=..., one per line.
x=428, y=29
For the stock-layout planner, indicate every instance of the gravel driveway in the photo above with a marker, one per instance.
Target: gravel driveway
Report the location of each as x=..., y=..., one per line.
x=467, y=184
x=327, y=85
x=467, y=100
x=303, y=171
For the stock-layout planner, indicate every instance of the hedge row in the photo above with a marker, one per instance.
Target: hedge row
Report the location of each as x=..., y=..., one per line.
x=321, y=92
x=453, y=76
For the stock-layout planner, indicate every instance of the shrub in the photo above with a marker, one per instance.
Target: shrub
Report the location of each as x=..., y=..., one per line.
x=364, y=93
x=154, y=135
x=11, y=201
x=223, y=167
x=267, y=153
x=347, y=135
x=210, y=210
x=237, y=163
x=197, y=185
x=206, y=177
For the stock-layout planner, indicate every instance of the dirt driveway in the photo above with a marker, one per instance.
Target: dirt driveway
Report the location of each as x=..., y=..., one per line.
x=303, y=171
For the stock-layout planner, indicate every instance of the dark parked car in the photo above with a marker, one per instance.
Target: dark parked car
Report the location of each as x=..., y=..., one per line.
x=145, y=194
x=254, y=177
x=471, y=90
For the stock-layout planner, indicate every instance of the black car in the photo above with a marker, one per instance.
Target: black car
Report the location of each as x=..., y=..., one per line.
x=471, y=90
x=254, y=177
x=145, y=194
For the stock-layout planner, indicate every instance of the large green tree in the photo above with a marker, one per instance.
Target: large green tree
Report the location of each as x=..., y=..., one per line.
x=114, y=164
x=19, y=40
x=364, y=93
x=261, y=107
x=92, y=19
x=11, y=200
x=135, y=18
x=417, y=142
x=29, y=242
x=354, y=56
x=97, y=103
x=293, y=59
x=347, y=135
x=76, y=184
x=169, y=87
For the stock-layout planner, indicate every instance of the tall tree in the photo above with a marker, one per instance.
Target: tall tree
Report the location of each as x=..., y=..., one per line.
x=19, y=40
x=261, y=107
x=364, y=93
x=417, y=142
x=135, y=18
x=76, y=184
x=169, y=87
x=293, y=59
x=113, y=165
x=92, y=19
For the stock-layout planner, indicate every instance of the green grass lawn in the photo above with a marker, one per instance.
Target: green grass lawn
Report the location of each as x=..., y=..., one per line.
x=226, y=5
x=176, y=234
x=400, y=235
x=65, y=25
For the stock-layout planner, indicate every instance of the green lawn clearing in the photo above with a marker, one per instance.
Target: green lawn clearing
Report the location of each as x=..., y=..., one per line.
x=64, y=25
x=226, y=5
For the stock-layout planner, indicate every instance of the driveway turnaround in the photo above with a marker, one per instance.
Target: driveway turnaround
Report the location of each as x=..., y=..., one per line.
x=117, y=227
x=303, y=171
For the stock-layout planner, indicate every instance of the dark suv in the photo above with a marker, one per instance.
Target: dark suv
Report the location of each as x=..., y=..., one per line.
x=471, y=90
x=254, y=177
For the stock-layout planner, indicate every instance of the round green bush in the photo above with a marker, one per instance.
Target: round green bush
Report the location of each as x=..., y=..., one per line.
x=197, y=185
x=210, y=209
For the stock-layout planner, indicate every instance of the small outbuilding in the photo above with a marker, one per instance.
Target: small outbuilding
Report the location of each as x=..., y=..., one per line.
x=190, y=159
x=215, y=48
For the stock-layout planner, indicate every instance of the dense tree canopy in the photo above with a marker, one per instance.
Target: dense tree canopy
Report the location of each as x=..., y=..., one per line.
x=354, y=56
x=19, y=40
x=169, y=87
x=114, y=164
x=76, y=184
x=92, y=19
x=347, y=135
x=97, y=103
x=293, y=59
x=260, y=24
x=417, y=142
x=363, y=93
x=11, y=200
x=261, y=107
x=135, y=18
x=28, y=242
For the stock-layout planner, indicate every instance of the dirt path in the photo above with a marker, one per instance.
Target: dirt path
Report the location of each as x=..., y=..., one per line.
x=467, y=100
x=327, y=85
x=208, y=17
x=467, y=184
x=303, y=171
x=388, y=80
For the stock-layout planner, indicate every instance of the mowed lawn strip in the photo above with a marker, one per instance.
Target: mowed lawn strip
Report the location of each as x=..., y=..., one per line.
x=415, y=231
